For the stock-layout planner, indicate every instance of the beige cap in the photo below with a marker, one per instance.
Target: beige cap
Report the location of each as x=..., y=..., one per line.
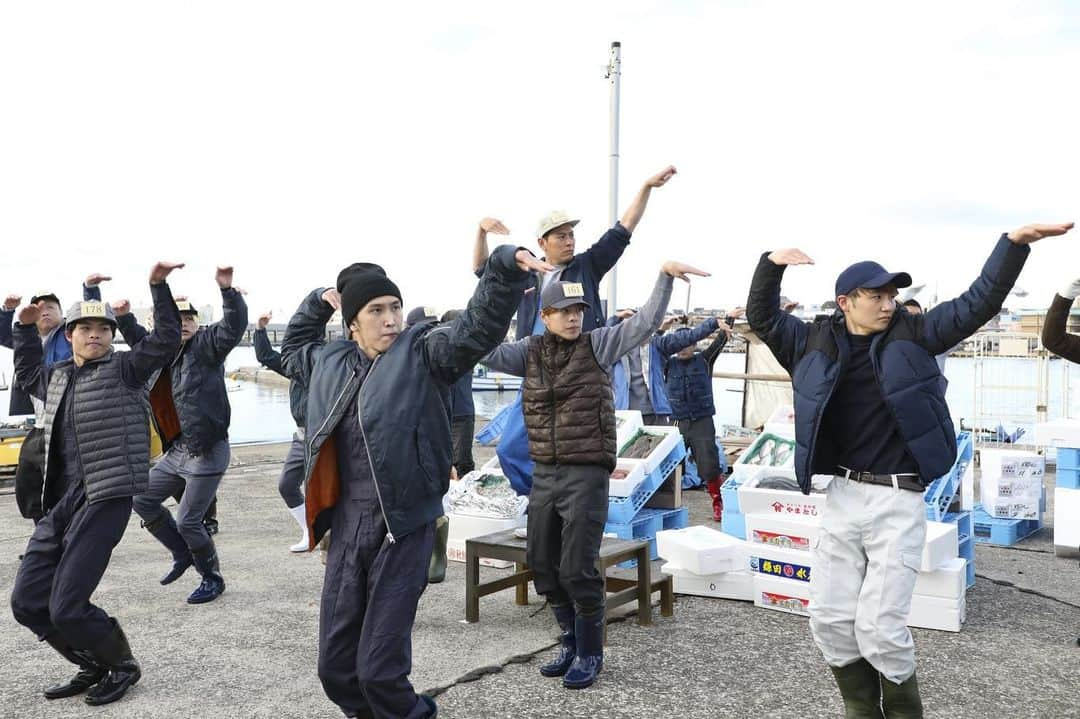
x=185, y=306
x=554, y=219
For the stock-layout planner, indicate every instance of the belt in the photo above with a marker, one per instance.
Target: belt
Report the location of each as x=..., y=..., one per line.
x=906, y=480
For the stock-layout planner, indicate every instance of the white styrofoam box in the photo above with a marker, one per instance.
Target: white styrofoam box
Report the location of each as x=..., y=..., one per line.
x=1011, y=464
x=725, y=585
x=1013, y=507
x=949, y=581
x=1059, y=433
x=627, y=423
x=1066, y=521
x=942, y=544
x=455, y=552
x=753, y=499
x=783, y=595
x=946, y=615
x=625, y=487
x=769, y=559
x=671, y=438
x=467, y=526
x=967, y=488
x=701, y=550
x=781, y=530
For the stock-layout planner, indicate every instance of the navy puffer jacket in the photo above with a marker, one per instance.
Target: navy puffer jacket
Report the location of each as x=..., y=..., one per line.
x=902, y=356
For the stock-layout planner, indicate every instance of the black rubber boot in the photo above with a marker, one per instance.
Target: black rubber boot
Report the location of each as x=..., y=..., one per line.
x=90, y=672
x=901, y=701
x=113, y=652
x=557, y=667
x=589, y=635
x=437, y=565
x=213, y=584
x=165, y=531
x=431, y=706
x=860, y=688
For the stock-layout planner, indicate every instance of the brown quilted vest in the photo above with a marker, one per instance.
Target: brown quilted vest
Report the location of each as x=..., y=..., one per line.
x=568, y=404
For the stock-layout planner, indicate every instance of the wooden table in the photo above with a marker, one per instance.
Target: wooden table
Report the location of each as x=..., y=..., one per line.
x=504, y=545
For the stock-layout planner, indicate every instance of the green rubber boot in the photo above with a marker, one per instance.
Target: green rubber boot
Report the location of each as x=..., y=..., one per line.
x=437, y=565
x=901, y=701
x=860, y=687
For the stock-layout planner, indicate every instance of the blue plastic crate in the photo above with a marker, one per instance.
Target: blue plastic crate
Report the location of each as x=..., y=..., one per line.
x=646, y=525
x=1003, y=532
x=1068, y=477
x=942, y=491
x=965, y=530
x=622, y=510
x=1068, y=457
x=733, y=523
x=729, y=493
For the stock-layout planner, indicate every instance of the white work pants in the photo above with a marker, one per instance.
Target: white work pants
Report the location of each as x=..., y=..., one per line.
x=864, y=567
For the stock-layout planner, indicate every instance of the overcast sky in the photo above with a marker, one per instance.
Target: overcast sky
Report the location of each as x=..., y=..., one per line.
x=290, y=139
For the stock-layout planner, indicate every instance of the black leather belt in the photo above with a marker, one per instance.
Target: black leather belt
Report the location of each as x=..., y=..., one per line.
x=906, y=480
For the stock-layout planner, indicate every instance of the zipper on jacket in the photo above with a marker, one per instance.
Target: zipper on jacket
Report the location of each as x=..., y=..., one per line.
x=329, y=416
x=367, y=450
x=821, y=414
x=885, y=400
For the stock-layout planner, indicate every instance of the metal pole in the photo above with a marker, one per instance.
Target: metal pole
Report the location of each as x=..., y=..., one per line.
x=614, y=73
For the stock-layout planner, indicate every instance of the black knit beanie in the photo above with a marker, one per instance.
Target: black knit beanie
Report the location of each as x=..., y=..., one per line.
x=359, y=284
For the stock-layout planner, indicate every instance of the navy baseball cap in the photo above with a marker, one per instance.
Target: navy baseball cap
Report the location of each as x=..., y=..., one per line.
x=870, y=275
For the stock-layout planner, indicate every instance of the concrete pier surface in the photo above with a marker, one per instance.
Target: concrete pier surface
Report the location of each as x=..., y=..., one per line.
x=252, y=653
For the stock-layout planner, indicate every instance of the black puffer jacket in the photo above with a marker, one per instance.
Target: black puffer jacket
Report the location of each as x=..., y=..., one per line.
x=111, y=404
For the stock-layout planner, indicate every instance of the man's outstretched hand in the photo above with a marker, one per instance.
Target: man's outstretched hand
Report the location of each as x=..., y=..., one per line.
x=527, y=261
x=681, y=270
x=161, y=270
x=1033, y=233
x=790, y=256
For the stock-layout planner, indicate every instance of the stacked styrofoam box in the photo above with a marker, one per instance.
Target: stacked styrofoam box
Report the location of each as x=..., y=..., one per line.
x=780, y=559
x=1011, y=485
x=705, y=562
x=627, y=423
x=635, y=473
x=466, y=526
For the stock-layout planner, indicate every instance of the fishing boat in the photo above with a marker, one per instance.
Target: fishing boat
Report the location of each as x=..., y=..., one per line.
x=485, y=380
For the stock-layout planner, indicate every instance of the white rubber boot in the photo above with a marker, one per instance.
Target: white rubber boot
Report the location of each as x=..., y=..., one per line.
x=300, y=515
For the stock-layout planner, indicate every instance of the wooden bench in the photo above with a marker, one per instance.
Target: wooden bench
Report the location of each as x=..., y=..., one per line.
x=504, y=545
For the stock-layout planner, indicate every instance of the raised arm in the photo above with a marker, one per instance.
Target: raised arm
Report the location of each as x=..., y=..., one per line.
x=785, y=335
x=509, y=357
x=717, y=346
x=158, y=348
x=221, y=337
x=950, y=323
x=454, y=349
x=1055, y=337
x=91, y=289
x=480, y=247
x=633, y=213
x=611, y=343
x=7, y=317
x=672, y=342
x=265, y=354
x=305, y=335
x=30, y=373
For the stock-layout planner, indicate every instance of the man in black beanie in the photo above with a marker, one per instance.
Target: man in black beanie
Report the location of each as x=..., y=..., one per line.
x=378, y=463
